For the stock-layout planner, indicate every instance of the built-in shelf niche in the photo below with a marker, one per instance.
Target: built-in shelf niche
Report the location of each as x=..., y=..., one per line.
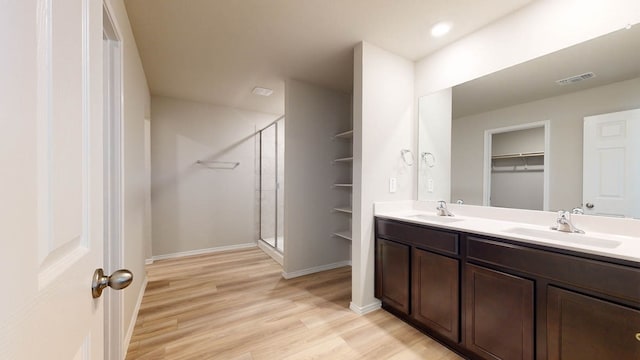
x=340, y=209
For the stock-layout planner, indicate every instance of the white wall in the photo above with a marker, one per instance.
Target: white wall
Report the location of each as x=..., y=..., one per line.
x=566, y=115
x=136, y=105
x=196, y=208
x=313, y=116
x=383, y=116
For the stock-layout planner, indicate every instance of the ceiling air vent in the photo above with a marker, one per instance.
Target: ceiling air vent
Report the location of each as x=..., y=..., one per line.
x=575, y=79
x=262, y=91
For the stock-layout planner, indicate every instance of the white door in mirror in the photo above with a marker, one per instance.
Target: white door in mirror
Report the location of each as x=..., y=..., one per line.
x=611, y=164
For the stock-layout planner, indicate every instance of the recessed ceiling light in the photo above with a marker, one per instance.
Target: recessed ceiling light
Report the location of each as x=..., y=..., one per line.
x=262, y=91
x=440, y=29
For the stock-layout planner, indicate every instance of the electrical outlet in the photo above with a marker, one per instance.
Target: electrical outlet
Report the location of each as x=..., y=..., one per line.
x=393, y=185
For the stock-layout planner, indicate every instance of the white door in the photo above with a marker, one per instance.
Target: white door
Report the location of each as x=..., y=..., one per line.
x=611, y=164
x=51, y=197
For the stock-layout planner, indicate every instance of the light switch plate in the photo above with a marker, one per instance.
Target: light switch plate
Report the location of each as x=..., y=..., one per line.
x=393, y=185
x=430, y=185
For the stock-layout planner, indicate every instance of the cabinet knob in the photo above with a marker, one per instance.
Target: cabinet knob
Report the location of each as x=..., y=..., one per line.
x=638, y=336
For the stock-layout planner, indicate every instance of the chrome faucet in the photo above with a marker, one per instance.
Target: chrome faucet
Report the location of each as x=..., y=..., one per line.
x=564, y=224
x=442, y=209
x=577, y=210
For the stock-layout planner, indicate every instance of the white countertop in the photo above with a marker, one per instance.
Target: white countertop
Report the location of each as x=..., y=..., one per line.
x=525, y=226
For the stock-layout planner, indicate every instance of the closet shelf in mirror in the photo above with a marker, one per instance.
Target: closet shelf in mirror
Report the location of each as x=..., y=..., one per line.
x=343, y=234
x=345, y=210
x=514, y=169
x=344, y=159
x=518, y=155
x=344, y=135
x=343, y=185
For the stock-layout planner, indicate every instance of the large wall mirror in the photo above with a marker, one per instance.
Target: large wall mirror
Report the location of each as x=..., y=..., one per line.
x=558, y=132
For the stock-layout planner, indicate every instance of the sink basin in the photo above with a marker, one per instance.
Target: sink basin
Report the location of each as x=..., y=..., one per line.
x=572, y=238
x=435, y=218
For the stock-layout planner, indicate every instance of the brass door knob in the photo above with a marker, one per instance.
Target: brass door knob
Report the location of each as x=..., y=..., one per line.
x=638, y=336
x=119, y=280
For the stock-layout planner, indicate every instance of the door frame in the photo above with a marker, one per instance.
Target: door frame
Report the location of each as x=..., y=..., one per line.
x=113, y=181
x=488, y=142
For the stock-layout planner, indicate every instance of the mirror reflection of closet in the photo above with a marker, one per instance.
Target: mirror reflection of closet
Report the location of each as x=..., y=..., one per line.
x=517, y=167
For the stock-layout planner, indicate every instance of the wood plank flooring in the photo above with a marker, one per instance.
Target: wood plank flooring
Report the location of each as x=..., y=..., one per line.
x=235, y=305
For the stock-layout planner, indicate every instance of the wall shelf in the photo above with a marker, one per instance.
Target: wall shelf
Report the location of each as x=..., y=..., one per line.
x=343, y=210
x=344, y=135
x=518, y=155
x=343, y=234
x=343, y=185
x=344, y=159
x=218, y=165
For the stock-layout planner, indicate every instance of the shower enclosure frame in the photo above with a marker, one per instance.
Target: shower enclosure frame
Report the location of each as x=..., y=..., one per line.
x=276, y=126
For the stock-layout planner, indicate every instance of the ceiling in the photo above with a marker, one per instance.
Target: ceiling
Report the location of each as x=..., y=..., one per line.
x=613, y=57
x=217, y=51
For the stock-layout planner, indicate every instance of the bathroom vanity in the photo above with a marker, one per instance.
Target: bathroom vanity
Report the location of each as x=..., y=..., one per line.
x=493, y=296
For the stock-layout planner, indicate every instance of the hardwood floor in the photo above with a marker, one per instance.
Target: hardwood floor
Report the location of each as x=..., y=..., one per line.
x=235, y=305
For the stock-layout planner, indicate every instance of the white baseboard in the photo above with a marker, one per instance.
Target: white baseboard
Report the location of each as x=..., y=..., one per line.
x=134, y=317
x=271, y=252
x=203, y=251
x=148, y=261
x=295, y=274
x=361, y=310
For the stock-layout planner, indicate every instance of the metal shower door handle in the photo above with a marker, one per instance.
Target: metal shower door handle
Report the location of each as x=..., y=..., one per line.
x=119, y=280
x=589, y=205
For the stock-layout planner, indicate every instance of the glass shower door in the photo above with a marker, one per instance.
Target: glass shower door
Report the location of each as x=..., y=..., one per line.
x=271, y=195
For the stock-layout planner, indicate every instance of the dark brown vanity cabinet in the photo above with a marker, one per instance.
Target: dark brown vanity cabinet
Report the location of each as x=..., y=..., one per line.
x=427, y=286
x=499, y=314
x=586, y=328
x=392, y=274
x=586, y=308
x=491, y=298
x=435, y=294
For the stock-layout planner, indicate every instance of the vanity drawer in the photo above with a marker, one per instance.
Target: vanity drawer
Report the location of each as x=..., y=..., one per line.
x=599, y=276
x=422, y=237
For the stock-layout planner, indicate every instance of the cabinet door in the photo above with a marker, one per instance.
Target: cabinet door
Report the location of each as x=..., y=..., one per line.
x=435, y=293
x=392, y=274
x=499, y=314
x=582, y=327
